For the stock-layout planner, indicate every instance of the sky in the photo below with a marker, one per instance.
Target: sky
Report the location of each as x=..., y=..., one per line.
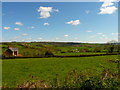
x=60, y=21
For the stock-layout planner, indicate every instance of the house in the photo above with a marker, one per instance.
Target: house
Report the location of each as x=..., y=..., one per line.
x=11, y=51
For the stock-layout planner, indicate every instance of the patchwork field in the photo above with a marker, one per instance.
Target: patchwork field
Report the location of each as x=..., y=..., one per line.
x=16, y=71
x=45, y=49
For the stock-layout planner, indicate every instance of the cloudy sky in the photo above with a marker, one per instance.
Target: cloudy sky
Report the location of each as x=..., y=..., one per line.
x=60, y=21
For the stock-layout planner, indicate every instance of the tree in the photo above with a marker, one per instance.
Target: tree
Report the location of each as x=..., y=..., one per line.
x=111, y=49
x=112, y=42
x=48, y=53
x=97, y=49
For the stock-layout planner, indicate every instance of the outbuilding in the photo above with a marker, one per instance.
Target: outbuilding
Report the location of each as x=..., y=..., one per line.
x=12, y=51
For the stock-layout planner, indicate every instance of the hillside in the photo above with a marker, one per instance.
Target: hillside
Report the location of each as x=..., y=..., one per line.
x=41, y=49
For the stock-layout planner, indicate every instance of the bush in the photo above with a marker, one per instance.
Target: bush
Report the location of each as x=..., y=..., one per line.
x=110, y=49
x=97, y=49
x=48, y=54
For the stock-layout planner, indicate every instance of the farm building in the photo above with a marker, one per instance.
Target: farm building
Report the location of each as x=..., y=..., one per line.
x=11, y=51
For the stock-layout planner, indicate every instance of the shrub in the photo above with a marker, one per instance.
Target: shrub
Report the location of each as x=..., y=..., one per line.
x=110, y=49
x=97, y=49
x=48, y=53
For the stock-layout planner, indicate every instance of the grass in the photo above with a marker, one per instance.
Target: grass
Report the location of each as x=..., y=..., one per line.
x=78, y=53
x=16, y=71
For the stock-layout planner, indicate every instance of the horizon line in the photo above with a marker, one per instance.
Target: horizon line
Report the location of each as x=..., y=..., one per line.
x=55, y=42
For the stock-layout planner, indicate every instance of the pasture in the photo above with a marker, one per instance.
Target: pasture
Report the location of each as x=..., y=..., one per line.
x=48, y=49
x=16, y=71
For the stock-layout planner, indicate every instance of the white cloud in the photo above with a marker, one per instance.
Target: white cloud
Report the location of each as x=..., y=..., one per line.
x=39, y=38
x=56, y=38
x=18, y=23
x=108, y=10
x=99, y=33
x=23, y=40
x=75, y=22
x=105, y=4
x=6, y=28
x=93, y=36
x=76, y=38
x=24, y=34
x=87, y=11
x=66, y=35
x=46, y=24
x=32, y=27
x=107, y=7
x=56, y=10
x=17, y=37
x=45, y=11
x=29, y=38
x=104, y=35
x=108, y=0
x=16, y=29
x=88, y=31
x=114, y=33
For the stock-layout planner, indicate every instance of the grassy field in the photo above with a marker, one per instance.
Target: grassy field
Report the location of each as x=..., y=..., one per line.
x=78, y=53
x=15, y=71
x=54, y=48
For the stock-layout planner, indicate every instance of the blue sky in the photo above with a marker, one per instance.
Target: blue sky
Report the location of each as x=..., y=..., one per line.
x=70, y=22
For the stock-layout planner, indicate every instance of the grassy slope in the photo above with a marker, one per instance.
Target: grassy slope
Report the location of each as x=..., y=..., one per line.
x=18, y=70
x=36, y=46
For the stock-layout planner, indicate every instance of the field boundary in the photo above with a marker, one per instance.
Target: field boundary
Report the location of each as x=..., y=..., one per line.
x=85, y=55
x=57, y=56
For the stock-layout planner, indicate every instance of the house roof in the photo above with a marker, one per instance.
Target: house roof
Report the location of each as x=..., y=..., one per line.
x=13, y=48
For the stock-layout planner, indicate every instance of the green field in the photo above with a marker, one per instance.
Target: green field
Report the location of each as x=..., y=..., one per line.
x=16, y=71
x=78, y=53
x=45, y=49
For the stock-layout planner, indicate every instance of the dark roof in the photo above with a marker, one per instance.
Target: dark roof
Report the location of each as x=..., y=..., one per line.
x=13, y=48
